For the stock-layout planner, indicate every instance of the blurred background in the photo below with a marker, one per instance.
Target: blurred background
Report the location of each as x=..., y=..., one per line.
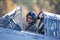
x=27, y=5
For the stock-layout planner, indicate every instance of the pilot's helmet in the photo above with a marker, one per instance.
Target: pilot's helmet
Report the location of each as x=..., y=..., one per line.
x=33, y=15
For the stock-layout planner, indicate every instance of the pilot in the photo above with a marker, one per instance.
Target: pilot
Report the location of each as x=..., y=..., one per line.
x=31, y=19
